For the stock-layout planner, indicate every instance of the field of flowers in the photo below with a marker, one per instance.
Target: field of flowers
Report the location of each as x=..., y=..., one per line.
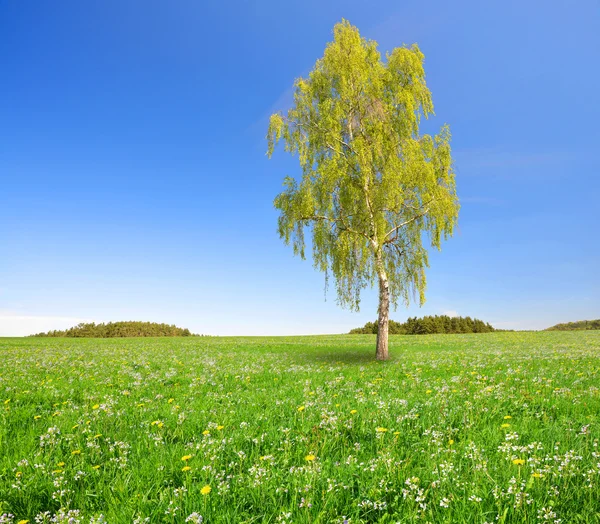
x=497, y=427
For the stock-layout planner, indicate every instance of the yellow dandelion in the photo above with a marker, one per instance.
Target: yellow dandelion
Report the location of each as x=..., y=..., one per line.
x=518, y=462
x=428, y=391
x=76, y=452
x=301, y=408
x=95, y=406
x=206, y=490
x=507, y=417
x=537, y=475
x=97, y=435
x=206, y=432
x=381, y=430
x=505, y=426
x=96, y=467
x=75, y=426
x=310, y=458
x=353, y=412
x=185, y=468
x=37, y=417
x=185, y=458
x=60, y=464
x=450, y=442
x=170, y=401
x=396, y=433
x=24, y=521
x=220, y=427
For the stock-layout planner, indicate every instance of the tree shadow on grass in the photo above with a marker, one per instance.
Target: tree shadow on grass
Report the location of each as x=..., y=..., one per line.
x=340, y=357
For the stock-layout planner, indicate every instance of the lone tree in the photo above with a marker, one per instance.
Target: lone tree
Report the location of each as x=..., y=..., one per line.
x=371, y=184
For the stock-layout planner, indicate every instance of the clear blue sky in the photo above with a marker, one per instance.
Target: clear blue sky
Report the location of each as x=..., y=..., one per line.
x=134, y=181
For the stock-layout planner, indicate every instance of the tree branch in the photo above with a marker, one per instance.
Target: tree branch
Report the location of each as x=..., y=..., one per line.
x=406, y=222
x=336, y=221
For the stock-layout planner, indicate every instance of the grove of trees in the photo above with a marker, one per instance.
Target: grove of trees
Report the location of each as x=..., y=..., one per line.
x=119, y=329
x=430, y=325
x=576, y=326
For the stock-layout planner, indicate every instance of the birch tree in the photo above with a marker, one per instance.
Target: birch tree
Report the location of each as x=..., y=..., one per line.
x=373, y=191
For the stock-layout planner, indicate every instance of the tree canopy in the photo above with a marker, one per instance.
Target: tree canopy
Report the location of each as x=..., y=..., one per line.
x=372, y=187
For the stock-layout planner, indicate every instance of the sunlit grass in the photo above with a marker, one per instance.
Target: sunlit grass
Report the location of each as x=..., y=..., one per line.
x=496, y=427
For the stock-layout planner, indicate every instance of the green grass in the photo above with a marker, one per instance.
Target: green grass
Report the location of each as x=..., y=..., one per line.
x=498, y=427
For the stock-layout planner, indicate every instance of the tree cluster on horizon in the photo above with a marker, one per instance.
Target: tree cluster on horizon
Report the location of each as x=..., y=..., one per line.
x=119, y=329
x=429, y=325
x=580, y=325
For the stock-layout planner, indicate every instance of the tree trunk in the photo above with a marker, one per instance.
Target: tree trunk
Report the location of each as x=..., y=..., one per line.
x=384, y=318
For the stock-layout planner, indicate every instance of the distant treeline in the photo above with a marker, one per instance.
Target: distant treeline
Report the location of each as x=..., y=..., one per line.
x=429, y=325
x=576, y=326
x=119, y=329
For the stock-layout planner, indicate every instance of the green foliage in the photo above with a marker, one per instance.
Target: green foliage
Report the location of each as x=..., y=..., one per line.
x=119, y=329
x=576, y=326
x=372, y=187
x=429, y=325
x=134, y=429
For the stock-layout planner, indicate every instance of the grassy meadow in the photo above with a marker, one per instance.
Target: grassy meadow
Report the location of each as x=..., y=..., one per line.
x=496, y=427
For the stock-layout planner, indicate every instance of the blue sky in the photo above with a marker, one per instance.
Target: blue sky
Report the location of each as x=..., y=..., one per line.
x=134, y=182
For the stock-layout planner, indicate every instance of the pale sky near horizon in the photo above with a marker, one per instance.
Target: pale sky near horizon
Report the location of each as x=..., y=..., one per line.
x=134, y=183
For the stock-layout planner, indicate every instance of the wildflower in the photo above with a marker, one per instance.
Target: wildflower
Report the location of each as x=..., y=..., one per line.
x=24, y=521
x=537, y=475
x=37, y=417
x=505, y=426
x=428, y=391
x=206, y=432
x=518, y=462
x=76, y=452
x=507, y=417
x=381, y=430
x=301, y=408
x=96, y=467
x=185, y=468
x=60, y=464
x=185, y=458
x=95, y=406
x=206, y=490
x=450, y=442
x=220, y=427
x=353, y=412
x=310, y=458
x=170, y=401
